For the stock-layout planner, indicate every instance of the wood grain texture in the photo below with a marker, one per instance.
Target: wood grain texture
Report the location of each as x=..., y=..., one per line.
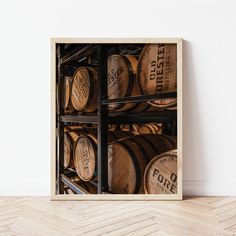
x=68, y=151
x=84, y=89
x=151, y=128
x=85, y=156
x=157, y=72
x=21, y=216
x=161, y=174
x=121, y=81
x=128, y=158
x=67, y=103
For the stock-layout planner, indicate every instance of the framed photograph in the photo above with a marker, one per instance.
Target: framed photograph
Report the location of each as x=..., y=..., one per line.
x=116, y=119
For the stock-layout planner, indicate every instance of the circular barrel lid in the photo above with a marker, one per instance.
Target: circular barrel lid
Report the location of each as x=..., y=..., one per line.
x=157, y=72
x=80, y=90
x=160, y=176
x=85, y=157
x=119, y=81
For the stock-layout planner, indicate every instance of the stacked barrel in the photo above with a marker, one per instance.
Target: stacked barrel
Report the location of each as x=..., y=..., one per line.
x=141, y=159
x=153, y=72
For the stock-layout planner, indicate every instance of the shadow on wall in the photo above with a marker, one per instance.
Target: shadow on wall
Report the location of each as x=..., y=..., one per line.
x=194, y=168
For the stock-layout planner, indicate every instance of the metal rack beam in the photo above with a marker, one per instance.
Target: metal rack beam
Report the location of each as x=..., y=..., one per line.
x=60, y=126
x=78, y=53
x=141, y=98
x=137, y=120
x=141, y=117
x=86, y=119
x=165, y=113
x=123, y=117
x=102, y=163
x=72, y=185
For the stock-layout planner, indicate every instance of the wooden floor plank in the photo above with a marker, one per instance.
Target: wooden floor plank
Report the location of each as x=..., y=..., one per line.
x=145, y=230
x=23, y=216
x=123, y=219
x=129, y=227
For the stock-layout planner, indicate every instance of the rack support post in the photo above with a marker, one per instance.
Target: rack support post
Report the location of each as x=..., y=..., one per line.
x=102, y=162
x=60, y=125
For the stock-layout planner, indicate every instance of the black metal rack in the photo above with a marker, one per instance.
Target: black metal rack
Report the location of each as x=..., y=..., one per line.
x=77, y=56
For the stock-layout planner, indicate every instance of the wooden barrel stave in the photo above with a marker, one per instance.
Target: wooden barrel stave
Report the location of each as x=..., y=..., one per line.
x=135, y=164
x=124, y=156
x=67, y=92
x=122, y=81
x=68, y=151
x=144, y=148
x=71, y=134
x=85, y=160
x=151, y=128
x=162, y=143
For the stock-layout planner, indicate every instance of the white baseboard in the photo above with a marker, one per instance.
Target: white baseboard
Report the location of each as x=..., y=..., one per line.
x=209, y=188
x=190, y=188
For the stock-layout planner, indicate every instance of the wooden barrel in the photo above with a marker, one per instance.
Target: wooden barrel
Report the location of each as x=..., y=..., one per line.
x=113, y=127
x=85, y=153
x=128, y=158
x=80, y=128
x=72, y=128
x=135, y=128
x=68, y=151
x=151, y=128
x=67, y=92
x=160, y=176
x=172, y=139
x=122, y=81
x=70, y=137
x=129, y=127
x=157, y=72
x=85, y=156
x=120, y=134
x=126, y=127
x=84, y=89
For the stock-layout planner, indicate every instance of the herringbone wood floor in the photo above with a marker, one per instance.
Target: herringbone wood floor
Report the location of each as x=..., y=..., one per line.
x=28, y=216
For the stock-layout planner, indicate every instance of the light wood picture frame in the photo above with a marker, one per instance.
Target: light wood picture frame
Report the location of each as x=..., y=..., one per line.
x=55, y=119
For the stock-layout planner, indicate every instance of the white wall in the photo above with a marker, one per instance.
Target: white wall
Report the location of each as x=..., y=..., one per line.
x=209, y=81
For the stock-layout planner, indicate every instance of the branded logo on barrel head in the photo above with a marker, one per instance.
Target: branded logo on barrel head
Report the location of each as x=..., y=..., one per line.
x=157, y=71
x=84, y=154
x=118, y=77
x=80, y=89
x=161, y=174
x=84, y=158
